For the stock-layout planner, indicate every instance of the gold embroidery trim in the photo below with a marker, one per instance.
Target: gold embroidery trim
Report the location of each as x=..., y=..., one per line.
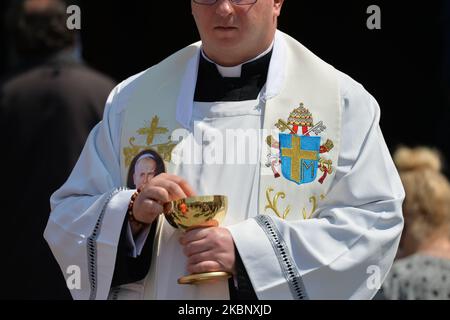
x=314, y=202
x=150, y=131
x=273, y=204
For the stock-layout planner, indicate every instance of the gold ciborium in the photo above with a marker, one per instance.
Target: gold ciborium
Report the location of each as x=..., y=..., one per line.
x=198, y=212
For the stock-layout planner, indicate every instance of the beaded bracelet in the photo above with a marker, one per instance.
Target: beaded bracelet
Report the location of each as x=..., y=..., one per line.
x=131, y=216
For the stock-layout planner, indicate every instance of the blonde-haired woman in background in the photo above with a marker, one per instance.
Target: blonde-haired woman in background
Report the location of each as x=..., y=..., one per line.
x=423, y=268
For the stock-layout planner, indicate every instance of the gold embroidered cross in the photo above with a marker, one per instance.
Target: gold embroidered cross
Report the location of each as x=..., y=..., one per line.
x=297, y=154
x=152, y=130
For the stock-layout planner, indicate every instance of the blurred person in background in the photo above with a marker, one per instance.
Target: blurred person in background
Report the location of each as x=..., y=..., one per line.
x=46, y=112
x=423, y=270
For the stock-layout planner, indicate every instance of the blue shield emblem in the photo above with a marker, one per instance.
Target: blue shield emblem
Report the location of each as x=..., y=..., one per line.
x=299, y=157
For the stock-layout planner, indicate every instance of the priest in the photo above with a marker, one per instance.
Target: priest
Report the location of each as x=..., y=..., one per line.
x=250, y=113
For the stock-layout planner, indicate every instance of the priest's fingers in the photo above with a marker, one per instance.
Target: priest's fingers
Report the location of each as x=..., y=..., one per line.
x=185, y=187
x=196, y=247
x=200, y=257
x=204, y=262
x=148, y=205
x=149, y=212
x=203, y=246
x=174, y=190
x=194, y=235
x=205, y=266
x=161, y=195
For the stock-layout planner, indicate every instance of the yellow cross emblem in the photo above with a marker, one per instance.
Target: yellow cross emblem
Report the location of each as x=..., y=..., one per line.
x=296, y=154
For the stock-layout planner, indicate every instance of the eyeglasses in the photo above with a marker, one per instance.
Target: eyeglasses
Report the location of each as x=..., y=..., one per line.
x=236, y=2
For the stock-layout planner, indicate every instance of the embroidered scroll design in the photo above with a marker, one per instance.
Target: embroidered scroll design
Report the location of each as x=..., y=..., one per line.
x=314, y=201
x=273, y=204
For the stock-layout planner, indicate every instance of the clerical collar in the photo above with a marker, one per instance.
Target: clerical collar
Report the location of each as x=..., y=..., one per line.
x=212, y=85
x=235, y=71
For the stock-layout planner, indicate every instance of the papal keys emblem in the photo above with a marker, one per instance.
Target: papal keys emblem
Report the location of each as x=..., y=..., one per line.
x=298, y=152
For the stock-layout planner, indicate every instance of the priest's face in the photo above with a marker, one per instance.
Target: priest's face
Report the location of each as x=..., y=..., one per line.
x=144, y=171
x=232, y=33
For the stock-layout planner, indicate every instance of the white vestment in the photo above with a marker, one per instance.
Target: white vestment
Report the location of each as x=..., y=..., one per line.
x=343, y=253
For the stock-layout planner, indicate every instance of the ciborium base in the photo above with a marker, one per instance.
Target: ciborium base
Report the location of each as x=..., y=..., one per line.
x=204, y=277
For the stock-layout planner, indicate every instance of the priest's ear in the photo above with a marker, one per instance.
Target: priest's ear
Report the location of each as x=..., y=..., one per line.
x=277, y=4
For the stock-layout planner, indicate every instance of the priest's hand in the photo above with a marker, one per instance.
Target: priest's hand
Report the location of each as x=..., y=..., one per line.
x=155, y=196
x=209, y=250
